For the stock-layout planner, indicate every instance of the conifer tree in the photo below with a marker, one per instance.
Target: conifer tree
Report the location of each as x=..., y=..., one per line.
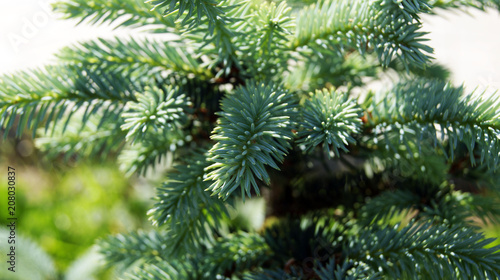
x=258, y=98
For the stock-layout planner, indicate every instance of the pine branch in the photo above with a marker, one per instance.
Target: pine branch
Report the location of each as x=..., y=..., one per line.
x=133, y=55
x=389, y=204
x=428, y=202
x=218, y=40
x=160, y=110
x=97, y=138
x=320, y=68
x=54, y=94
x=190, y=213
x=134, y=248
x=416, y=162
x=431, y=251
x=487, y=208
x=300, y=239
x=348, y=271
x=478, y=4
x=141, y=156
x=385, y=27
x=254, y=130
x=145, y=99
x=194, y=11
x=412, y=111
x=279, y=274
x=164, y=271
x=127, y=13
x=434, y=71
x=236, y=254
x=254, y=42
x=267, y=32
x=232, y=255
x=329, y=119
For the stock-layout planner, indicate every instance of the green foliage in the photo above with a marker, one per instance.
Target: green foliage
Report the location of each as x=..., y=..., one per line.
x=270, y=99
x=426, y=251
x=330, y=119
x=96, y=139
x=254, y=130
x=161, y=271
x=413, y=111
x=134, y=247
x=196, y=10
x=319, y=69
x=140, y=158
x=156, y=109
x=384, y=27
x=267, y=50
x=130, y=13
x=238, y=253
x=140, y=57
x=189, y=212
x=479, y=4
x=147, y=257
x=428, y=202
x=348, y=271
x=37, y=97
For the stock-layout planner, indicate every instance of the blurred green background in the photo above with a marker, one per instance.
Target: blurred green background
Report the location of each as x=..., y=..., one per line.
x=62, y=209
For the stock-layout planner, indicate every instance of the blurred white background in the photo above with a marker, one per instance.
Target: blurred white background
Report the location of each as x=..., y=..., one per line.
x=467, y=43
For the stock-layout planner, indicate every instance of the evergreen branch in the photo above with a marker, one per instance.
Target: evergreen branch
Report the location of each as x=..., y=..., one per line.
x=265, y=50
x=160, y=110
x=146, y=154
x=487, y=208
x=431, y=251
x=389, y=28
x=134, y=248
x=172, y=270
x=99, y=138
x=329, y=118
x=254, y=130
x=413, y=110
x=384, y=207
x=119, y=55
x=279, y=274
x=236, y=254
x=321, y=68
x=348, y=271
x=254, y=42
x=421, y=162
x=478, y=4
x=431, y=203
x=229, y=256
x=301, y=239
x=217, y=39
x=127, y=13
x=190, y=213
x=37, y=96
x=197, y=10
x=434, y=71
